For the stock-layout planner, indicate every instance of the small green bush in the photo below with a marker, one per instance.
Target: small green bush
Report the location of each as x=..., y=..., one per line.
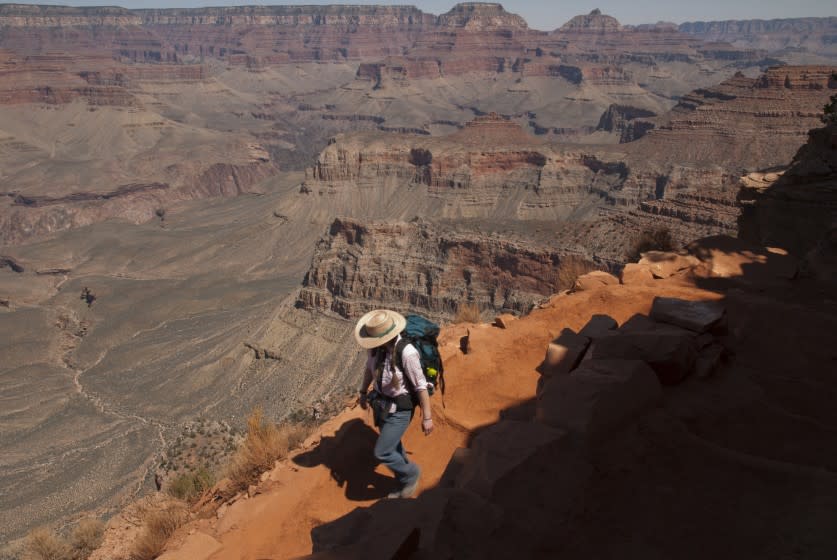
x=189, y=486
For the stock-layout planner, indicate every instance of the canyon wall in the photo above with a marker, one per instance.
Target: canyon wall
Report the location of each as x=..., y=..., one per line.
x=800, y=34
x=361, y=266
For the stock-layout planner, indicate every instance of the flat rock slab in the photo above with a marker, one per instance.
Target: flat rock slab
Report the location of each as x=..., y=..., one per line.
x=564, y=353
x=595, y=279
x=599, y=397
x=670, y=354
x=697, y=316
x=498, y=450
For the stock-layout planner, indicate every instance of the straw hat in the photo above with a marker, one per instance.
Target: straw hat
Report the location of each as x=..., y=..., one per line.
x=378, y=327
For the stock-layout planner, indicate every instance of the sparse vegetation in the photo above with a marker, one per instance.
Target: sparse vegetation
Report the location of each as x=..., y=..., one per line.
x=159, y=525
x=43, y=544
x=264, y=444
x=658, y=239
x=87, y=296
x=829, y=112
x=570, y=268
x=467, y=313
x=190, y=486
x=87, y=537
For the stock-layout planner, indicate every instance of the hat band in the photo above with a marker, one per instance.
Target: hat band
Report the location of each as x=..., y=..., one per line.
x=386, y=332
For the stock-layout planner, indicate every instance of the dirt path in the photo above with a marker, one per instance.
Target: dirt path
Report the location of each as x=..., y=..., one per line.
x=336, y=472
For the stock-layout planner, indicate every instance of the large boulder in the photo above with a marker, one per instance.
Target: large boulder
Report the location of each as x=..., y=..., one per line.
x=670, y=354
x=599, y=397
x=636, y=274
x=697, y=316
x=564, y=353
x=499, y=450
x=593, y=280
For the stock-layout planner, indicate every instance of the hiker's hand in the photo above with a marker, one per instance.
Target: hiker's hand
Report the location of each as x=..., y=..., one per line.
x=427, y=426
x=361, y=400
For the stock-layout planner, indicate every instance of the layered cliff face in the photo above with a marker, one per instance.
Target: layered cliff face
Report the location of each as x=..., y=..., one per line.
x=761, y=121
x=683, y=177
x=361, y=266
x=490, y=169
x=806, y=36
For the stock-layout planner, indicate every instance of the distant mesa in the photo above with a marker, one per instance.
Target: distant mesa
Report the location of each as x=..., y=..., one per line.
x=493, y=128
x=481, y=15
x=594, y=21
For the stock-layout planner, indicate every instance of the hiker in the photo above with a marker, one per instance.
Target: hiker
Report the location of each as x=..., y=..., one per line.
x=395, y=393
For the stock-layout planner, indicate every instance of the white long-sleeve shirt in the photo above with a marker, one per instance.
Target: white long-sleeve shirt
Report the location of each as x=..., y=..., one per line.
x=412, y=366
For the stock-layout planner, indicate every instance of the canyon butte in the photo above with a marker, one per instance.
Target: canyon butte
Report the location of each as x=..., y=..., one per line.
x=195, y=206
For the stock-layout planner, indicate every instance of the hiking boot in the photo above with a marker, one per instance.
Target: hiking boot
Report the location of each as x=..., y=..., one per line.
x=408, y=490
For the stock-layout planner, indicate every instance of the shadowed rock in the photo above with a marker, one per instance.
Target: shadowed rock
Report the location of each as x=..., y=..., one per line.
x=599, y=397
x=670, y=354
x=497, y=451
x=698, y=316
x=563, y=353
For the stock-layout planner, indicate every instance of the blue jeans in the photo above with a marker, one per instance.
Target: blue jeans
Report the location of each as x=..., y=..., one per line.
x=390, y=451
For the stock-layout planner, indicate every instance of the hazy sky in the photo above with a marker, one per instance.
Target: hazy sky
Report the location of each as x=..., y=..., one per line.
x=549, y=14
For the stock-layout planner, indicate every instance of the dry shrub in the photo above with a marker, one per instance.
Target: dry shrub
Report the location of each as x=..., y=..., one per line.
x=265, y=444
x=189, y=486
x=658, y=239
x=159, y=525
x=43, y=544
x=296, y=434
x=87, y=537
x=570, y=268
x=467, y=313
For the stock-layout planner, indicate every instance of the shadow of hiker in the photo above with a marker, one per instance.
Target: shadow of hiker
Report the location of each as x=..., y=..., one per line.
x=349, y=455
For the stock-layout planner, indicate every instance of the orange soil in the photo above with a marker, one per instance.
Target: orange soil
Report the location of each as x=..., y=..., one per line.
x=335, y=473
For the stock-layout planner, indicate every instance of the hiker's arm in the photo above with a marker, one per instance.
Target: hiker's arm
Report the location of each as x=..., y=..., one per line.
x=426, y=414
x=412, y=369
x=367, y=379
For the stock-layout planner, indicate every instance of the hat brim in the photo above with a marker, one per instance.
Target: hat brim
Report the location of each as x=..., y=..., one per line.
x=373, y=342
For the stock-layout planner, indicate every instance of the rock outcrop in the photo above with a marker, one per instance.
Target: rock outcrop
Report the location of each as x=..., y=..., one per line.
x=362, y=266
x=489, y=169
x=798, y=209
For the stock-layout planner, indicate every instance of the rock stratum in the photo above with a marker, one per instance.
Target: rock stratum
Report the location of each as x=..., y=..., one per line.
x=278, y=81
x=793, y=34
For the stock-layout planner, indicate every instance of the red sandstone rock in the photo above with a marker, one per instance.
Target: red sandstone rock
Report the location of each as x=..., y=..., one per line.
x=593, y=280
x=637, y=274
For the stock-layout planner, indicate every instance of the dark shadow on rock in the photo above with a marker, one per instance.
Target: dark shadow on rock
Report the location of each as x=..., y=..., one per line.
x=349, y=455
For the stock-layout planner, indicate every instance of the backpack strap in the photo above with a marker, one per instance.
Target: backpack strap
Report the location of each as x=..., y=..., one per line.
x=399, y=362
